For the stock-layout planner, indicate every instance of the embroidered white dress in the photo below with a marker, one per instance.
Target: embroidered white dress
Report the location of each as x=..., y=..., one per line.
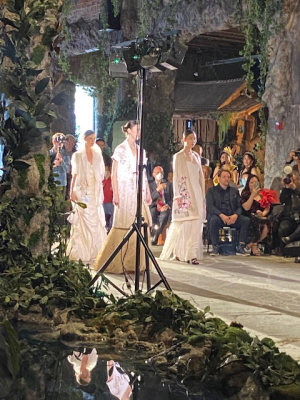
x=124, y=214
x=88, y=231
x=184, y=238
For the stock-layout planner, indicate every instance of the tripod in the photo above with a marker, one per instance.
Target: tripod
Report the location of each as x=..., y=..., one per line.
x=138, y=224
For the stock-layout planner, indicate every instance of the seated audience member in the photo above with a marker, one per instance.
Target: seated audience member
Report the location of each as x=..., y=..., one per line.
x=199, y=150
x=170, y=177
x=108, y=198
x=289, y=226
x=106, y=157
x=256, y=204
x=224, y=209
x=226, y=162
x=162, y=197
x=207, y=171
x=249, y=167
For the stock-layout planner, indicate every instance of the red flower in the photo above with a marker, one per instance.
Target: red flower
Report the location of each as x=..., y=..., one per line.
x=267, y=198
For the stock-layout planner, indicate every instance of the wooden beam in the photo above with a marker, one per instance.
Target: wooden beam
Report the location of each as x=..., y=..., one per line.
x=233, y=96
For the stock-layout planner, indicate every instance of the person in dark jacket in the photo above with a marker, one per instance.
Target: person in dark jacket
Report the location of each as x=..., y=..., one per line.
x=162, y=197
x=224, y=209
x=289, y=227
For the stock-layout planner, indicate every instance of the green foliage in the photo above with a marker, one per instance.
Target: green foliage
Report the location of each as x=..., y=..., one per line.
x=22, y=180
x=260, y=20
x=26, y=116
x=14, y=345
x=224, y=125
x=159, y=134
x=40, y=161
x=6, y=367
x=51, y=283
x=38, y=54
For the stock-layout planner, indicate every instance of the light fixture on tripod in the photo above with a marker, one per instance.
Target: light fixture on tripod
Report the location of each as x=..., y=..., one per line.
x=141, y=56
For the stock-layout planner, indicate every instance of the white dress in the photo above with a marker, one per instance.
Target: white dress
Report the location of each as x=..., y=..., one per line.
x=88, y=232
x=184, y=238
x=125, y=213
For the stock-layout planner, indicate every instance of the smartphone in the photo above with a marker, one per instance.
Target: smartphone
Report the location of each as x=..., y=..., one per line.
x=256, y=185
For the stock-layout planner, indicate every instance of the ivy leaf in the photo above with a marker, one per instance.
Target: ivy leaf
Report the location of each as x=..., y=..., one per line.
x=59, y=99
x=52, y=114
x=40, y=125
x=44, y=300
x=20, y=165
x=41, y=85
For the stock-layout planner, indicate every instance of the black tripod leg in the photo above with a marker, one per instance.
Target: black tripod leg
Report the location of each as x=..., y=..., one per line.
x=145, y=227
x=113, y=255
x=152, y=258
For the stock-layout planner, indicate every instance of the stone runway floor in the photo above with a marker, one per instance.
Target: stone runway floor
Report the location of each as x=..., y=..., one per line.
x=261, y=293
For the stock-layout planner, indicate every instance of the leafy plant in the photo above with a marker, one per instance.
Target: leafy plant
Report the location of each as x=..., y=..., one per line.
x=224, y=125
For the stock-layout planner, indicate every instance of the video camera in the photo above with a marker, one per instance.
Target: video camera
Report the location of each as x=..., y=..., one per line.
x=60, y=139
x=297, y=154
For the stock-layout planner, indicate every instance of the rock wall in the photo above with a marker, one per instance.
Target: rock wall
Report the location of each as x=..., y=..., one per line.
x=282, y=95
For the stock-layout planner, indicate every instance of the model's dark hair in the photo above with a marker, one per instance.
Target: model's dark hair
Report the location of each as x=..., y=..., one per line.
x=88, y=133
x=247, y=188
x=129, y=125
x=188, y=132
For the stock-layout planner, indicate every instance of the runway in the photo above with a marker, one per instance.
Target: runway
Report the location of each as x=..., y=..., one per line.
x=261, y=293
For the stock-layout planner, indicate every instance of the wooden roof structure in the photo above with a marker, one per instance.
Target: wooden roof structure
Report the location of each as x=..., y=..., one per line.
x=194, y=100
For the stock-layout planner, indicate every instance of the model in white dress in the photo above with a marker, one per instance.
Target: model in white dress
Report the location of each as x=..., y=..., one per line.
x=88, y=232
x=184, y=238
x=124, y=183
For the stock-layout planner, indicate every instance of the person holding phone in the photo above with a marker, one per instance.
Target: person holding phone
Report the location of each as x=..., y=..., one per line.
x=294, y=157
x=257, y=207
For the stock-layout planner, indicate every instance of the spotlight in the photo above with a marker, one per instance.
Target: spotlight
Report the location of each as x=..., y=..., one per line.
x=131, y=58
x=154, y=53
x=173, y=58
x=117, y=67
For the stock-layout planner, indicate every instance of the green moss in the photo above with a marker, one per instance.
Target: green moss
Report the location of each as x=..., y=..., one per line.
x=287, y=392
x=40, y=160
x=38, y=54
x=22, y=180
x=35, y=238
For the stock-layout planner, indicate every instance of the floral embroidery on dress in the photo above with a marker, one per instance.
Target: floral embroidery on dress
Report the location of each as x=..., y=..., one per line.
x=186, y=204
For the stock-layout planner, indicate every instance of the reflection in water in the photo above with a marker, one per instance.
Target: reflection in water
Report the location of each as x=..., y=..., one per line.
x=118, y=381
x=56, y=372
x=83, y=363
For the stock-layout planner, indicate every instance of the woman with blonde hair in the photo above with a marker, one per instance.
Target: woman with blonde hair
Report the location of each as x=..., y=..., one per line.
x=125, y=185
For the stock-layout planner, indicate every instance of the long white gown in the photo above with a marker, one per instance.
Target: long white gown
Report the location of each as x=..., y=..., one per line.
x=184, y=238
x=88, y=232
x=124, y=214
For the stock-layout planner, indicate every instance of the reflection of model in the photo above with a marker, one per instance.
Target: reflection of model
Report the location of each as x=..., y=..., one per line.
x=184, y=239
x=118, y=381
x=83, y=363
x=88, y=225
x=124, y=182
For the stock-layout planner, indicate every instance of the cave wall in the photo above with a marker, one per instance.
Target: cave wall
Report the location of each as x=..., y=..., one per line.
x=282, y=95
x=193, y=18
